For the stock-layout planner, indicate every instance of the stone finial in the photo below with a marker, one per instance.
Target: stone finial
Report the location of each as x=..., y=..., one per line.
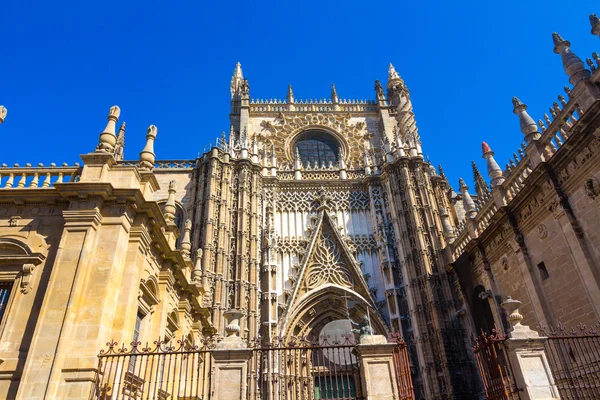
x=108, y=138
x=448, y=230
x=334, y=95
x=392, y=74
x=147, y=156
x=494, y=170
x=120, y=145
x=528, y=125
x=170, y=209
x=468, y=203
x=186, y=243
x=481, y=186
x=3, y=112
x=595, y=22
x=572, y=64
x=290, y=95
x=197, y=272
x=379, y=94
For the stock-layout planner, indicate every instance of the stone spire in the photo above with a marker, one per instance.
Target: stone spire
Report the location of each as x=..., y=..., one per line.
x=236, y=80
x=169, y=210
x=108, y=138
x=468, y=203
x=3, y=112
x=379, y=94
x=147, y=156
x=595, y=22
x=528, y=126
x=494, y=170
x=290, y=95
x=447, y=226
x=392, y=74
x=443, y=175
x=334, y=95
x=481, y=186
x=120, y=146
x=186, y=243
x=572, y=64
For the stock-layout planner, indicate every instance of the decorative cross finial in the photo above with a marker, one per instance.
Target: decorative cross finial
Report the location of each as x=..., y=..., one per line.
x=108, y=138
x=147, y=156
x=3, y=112
x=572, y=64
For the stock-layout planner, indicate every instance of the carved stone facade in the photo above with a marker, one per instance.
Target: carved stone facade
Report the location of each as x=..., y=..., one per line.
x=309, y=212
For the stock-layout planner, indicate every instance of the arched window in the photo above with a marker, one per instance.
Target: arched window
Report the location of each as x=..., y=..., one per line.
x=317, y=146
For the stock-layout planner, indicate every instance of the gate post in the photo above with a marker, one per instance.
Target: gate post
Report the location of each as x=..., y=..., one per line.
x=377, y=368
x=230, y=364
x=527, y=357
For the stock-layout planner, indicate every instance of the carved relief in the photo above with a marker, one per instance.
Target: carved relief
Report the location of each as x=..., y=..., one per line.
x=282, y=134
x=542, y=231
x=592, y=188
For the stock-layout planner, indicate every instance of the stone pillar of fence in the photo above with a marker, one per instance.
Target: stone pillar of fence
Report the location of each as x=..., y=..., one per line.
x=230, y=363
x=527, y=357
x=377, y=366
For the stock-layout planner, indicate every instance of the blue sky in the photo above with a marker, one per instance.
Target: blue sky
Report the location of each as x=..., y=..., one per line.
x=169, y=63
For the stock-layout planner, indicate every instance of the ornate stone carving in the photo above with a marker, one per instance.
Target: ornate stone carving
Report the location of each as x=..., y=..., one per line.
x=282, y=134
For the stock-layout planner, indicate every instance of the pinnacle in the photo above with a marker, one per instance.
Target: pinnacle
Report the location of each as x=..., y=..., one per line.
x=461, y=183
x=516, y=102
x=485, y=148
x=556, y=38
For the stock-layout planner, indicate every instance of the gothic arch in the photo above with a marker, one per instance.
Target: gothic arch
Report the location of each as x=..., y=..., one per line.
x=328, y=303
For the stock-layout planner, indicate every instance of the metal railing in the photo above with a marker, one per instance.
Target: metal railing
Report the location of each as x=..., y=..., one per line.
x=574, y=358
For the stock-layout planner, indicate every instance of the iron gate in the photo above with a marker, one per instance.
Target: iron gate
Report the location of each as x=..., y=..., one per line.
x=494, y=367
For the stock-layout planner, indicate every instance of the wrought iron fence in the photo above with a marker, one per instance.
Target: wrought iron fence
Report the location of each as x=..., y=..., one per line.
x=162, y=371
x=295, y=369
x=574, y=358
x=494, y=367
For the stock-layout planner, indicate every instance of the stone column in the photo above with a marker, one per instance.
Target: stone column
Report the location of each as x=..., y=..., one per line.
x=230, y=368
x=378, y=376
x=527, y=357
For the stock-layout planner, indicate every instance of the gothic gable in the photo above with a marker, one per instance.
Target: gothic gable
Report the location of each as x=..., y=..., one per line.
x=328, y=262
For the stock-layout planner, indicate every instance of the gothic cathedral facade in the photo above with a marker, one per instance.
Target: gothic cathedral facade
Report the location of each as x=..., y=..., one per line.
x=306, y=213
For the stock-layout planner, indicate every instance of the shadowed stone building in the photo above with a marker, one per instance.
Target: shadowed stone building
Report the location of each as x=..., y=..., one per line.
x=306, y=213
